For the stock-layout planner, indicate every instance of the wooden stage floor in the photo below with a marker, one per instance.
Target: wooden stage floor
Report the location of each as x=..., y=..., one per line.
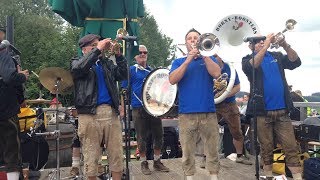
x=229, y=170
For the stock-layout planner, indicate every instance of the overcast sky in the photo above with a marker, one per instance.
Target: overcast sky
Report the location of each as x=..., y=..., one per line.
x=176, y=17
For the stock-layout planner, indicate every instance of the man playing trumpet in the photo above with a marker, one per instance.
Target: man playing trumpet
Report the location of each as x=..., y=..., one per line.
x=194, y=75
x=97, y=103
x=272, y=101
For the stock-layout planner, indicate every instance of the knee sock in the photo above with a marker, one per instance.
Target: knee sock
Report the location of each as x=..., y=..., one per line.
x=13, y=175
x=143, y=158
x=268, y=173
x=156, y=157
x=213, y=177
x=189, y=177
x=75, y=161
x=297, y=176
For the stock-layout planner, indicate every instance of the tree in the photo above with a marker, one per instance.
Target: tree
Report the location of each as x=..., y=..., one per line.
x=46, y=40
x=43, y=38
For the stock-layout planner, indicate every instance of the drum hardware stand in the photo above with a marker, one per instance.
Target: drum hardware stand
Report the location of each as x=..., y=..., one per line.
x=56, y=134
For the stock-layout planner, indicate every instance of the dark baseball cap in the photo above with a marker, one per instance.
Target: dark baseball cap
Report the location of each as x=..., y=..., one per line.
x=87, y=39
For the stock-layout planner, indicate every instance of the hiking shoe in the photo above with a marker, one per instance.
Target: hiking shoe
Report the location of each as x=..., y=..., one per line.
x=145, y=168
x=203, y=162
x=243, y=160
x=74, y=171
x=158, y=166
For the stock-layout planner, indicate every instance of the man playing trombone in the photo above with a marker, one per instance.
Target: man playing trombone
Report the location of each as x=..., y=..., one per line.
x=194, y=75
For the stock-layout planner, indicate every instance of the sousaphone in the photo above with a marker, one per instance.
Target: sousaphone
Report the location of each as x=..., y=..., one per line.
x=231, y=31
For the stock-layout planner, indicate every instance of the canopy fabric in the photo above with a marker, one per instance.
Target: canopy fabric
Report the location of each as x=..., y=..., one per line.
x=101, y=17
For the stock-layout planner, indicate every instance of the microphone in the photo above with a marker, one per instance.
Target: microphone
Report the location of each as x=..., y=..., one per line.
x=5, y=43
x=127, y=38
x=254, y=39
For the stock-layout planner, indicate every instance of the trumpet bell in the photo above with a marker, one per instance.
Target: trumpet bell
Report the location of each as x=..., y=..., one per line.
x=290, y=24
x=208, y=44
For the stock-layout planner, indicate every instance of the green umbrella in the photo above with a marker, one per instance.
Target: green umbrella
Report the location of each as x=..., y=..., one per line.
x=101, y=17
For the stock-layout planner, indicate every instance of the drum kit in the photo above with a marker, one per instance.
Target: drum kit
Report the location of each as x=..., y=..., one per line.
x=59, y=82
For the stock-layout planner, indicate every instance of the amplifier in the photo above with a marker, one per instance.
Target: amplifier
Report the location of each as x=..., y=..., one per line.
x=308, y=132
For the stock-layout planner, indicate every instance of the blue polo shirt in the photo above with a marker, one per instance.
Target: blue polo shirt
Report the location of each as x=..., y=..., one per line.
x=103, y=93
x=196, y=87
x=226, y=69
x=273, y=86
x=136, y=80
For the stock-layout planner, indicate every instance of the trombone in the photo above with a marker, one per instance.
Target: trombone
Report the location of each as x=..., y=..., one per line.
x=208, y=44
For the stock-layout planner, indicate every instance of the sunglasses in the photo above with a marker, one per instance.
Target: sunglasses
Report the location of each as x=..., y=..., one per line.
x=143, y=52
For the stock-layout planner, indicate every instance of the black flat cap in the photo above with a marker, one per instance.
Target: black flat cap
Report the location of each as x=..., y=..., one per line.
x=3, y=29
x=87, y=39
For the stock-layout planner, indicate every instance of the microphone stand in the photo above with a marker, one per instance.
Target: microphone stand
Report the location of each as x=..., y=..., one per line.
x=127, y=108
x=255, y=134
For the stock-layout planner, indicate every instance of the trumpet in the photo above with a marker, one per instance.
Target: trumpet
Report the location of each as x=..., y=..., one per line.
x=115, y=45
x=280, y=35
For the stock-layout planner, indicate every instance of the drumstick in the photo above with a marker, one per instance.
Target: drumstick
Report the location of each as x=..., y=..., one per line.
x=35, y=74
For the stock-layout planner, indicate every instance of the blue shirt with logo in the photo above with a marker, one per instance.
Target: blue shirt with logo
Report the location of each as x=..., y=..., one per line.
x=196, y=87
x=103, y=93
x=273, y=86
x=136, y=80
x=226, y=69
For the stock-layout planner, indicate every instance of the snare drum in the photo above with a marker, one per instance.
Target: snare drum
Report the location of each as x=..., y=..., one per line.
x=158, y=95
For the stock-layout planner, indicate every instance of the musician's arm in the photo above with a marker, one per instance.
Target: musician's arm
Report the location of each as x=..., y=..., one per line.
x=235, y=89
x=9, y=72
x=212, y=67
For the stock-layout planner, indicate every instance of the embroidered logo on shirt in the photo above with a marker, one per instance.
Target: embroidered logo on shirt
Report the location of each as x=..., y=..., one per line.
x=275, y=60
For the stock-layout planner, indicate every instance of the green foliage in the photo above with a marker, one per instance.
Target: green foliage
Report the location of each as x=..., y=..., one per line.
x=46, y=40
x=43, y=38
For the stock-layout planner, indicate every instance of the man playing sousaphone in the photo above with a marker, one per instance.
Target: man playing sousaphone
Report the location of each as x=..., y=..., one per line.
x=145, y=124
x=228, y=111
x=194, y=76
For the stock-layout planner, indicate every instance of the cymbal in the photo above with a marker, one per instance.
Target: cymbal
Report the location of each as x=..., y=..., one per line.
x=49, y=77
x=38, y=101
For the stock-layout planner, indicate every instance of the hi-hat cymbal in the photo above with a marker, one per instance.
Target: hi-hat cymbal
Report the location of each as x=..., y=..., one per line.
x=38, y=101
x=54, y=77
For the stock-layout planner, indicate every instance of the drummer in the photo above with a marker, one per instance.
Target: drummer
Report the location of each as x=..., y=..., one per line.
x=11, y=95
x=145, y=124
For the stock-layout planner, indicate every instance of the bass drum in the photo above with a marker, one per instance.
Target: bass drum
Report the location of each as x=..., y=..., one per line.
x=34, y=150
x=158, y=95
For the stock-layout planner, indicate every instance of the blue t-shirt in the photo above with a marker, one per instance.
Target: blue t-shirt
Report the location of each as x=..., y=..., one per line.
x=103, y=94
x=226, y=69
x=272, y=83
x=137, y=77
x=196, y=87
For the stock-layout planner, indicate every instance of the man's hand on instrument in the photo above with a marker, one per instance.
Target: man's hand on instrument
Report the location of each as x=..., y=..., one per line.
x=104, y=44
x=24, y=72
